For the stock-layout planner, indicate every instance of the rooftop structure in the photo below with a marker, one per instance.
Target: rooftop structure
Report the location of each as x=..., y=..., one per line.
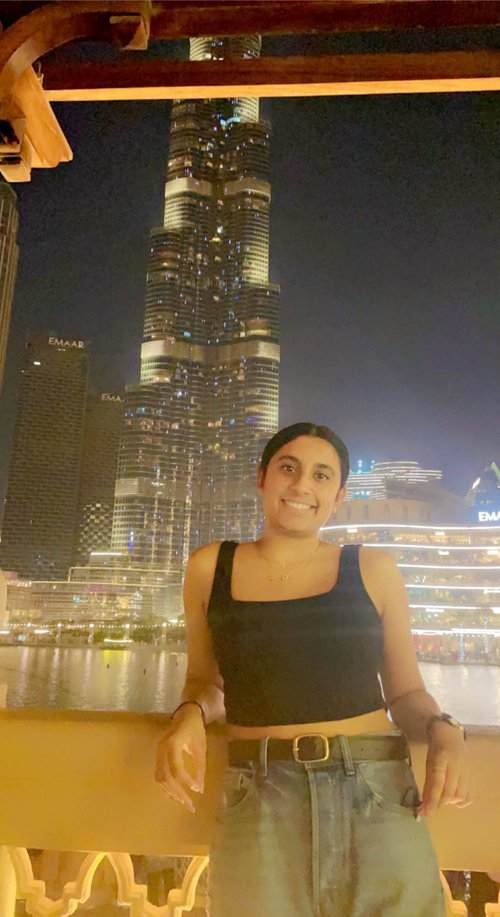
x=387, y=479
x=33, y=138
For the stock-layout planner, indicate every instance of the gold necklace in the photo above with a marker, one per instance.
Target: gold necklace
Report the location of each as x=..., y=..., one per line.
x=281, y=563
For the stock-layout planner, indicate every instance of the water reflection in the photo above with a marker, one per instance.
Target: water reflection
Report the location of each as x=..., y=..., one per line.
x=56, y=690
x=149, y=679
x=140, y=679
x=472, y=692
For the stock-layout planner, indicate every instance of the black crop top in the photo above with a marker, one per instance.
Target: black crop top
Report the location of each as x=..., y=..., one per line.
x=304, y=660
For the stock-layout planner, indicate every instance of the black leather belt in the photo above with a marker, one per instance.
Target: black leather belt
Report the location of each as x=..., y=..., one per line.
x=315, y=748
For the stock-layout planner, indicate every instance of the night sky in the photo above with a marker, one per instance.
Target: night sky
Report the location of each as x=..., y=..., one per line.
x=384, y=238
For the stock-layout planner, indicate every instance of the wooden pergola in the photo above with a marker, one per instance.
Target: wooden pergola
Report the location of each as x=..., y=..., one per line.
x=31, y=77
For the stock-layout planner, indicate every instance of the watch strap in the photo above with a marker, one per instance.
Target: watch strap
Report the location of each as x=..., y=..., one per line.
x=445, y=718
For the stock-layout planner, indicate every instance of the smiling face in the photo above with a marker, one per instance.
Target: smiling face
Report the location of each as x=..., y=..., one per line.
x=301, y=486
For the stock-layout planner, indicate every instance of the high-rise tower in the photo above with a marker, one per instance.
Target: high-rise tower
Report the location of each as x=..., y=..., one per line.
x=9, y=253
x=485, y=491
x=42, y=489
x=101, y=436
x=207, y=400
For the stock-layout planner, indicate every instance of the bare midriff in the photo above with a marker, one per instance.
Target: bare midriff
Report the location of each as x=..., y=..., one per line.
x=376, y=721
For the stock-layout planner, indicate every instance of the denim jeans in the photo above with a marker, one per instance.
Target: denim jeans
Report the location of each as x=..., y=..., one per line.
x=312, y=840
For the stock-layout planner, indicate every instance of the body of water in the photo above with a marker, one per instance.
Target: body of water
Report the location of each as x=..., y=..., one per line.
x=143, y=679
x=149, y=679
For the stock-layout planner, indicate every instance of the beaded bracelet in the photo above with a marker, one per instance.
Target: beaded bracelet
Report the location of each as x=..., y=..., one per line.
x=184, y=702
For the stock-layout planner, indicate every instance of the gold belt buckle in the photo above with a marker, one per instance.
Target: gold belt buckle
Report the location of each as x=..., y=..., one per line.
x=311, y=735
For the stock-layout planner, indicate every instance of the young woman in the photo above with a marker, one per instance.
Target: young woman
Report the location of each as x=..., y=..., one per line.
x=290, y=640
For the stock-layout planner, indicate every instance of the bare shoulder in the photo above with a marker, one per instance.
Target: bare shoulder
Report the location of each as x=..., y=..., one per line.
x=380, y=576
x=376, y=559
x=200, y=570
x=205, y=555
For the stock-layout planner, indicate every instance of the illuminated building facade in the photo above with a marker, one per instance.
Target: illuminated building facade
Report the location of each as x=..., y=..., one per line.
x=49, y=601
x=452, y=574
x=207, y=400
x=9, y=254
x=485, y=492
x=106, y=590
x=108, y=572
x=42, y=489
x=18, y=597
x=101, y=436
x=387, y=479
x=429, y=504
x=80, y=603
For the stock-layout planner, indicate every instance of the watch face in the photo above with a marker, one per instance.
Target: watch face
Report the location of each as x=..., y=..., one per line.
x=452, y=721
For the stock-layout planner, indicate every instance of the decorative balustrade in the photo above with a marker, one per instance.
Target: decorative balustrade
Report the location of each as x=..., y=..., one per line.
x=79, y=786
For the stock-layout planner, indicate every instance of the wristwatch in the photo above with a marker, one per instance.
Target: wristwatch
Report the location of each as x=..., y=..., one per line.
x=445, y=718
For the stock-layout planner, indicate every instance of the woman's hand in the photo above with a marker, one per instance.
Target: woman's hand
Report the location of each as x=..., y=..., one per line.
x=185, y=735
x=447, y=780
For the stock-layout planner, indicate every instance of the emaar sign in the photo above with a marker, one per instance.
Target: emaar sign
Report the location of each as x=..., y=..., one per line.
x=60, y=342
x=489, y=516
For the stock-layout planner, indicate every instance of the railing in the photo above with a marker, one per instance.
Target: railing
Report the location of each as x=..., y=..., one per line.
x=82, y=782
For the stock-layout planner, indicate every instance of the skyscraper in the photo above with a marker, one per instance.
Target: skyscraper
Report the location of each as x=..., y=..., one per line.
x=485, y=491
x=9, y=253
x=42, y=489
x=101, y=436
x=207, y=400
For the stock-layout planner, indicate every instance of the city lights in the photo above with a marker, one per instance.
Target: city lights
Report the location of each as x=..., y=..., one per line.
x=460, y=592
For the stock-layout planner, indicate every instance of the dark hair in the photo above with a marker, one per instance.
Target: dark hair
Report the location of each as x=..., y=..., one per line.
x=287, y=434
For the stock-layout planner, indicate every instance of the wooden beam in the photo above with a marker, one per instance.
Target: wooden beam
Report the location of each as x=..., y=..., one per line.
x=42, y=128
x=35, y=139
x=30, y=135
x=40, y=141
x=55, y=24
x=186, y=18
x=352, y=74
